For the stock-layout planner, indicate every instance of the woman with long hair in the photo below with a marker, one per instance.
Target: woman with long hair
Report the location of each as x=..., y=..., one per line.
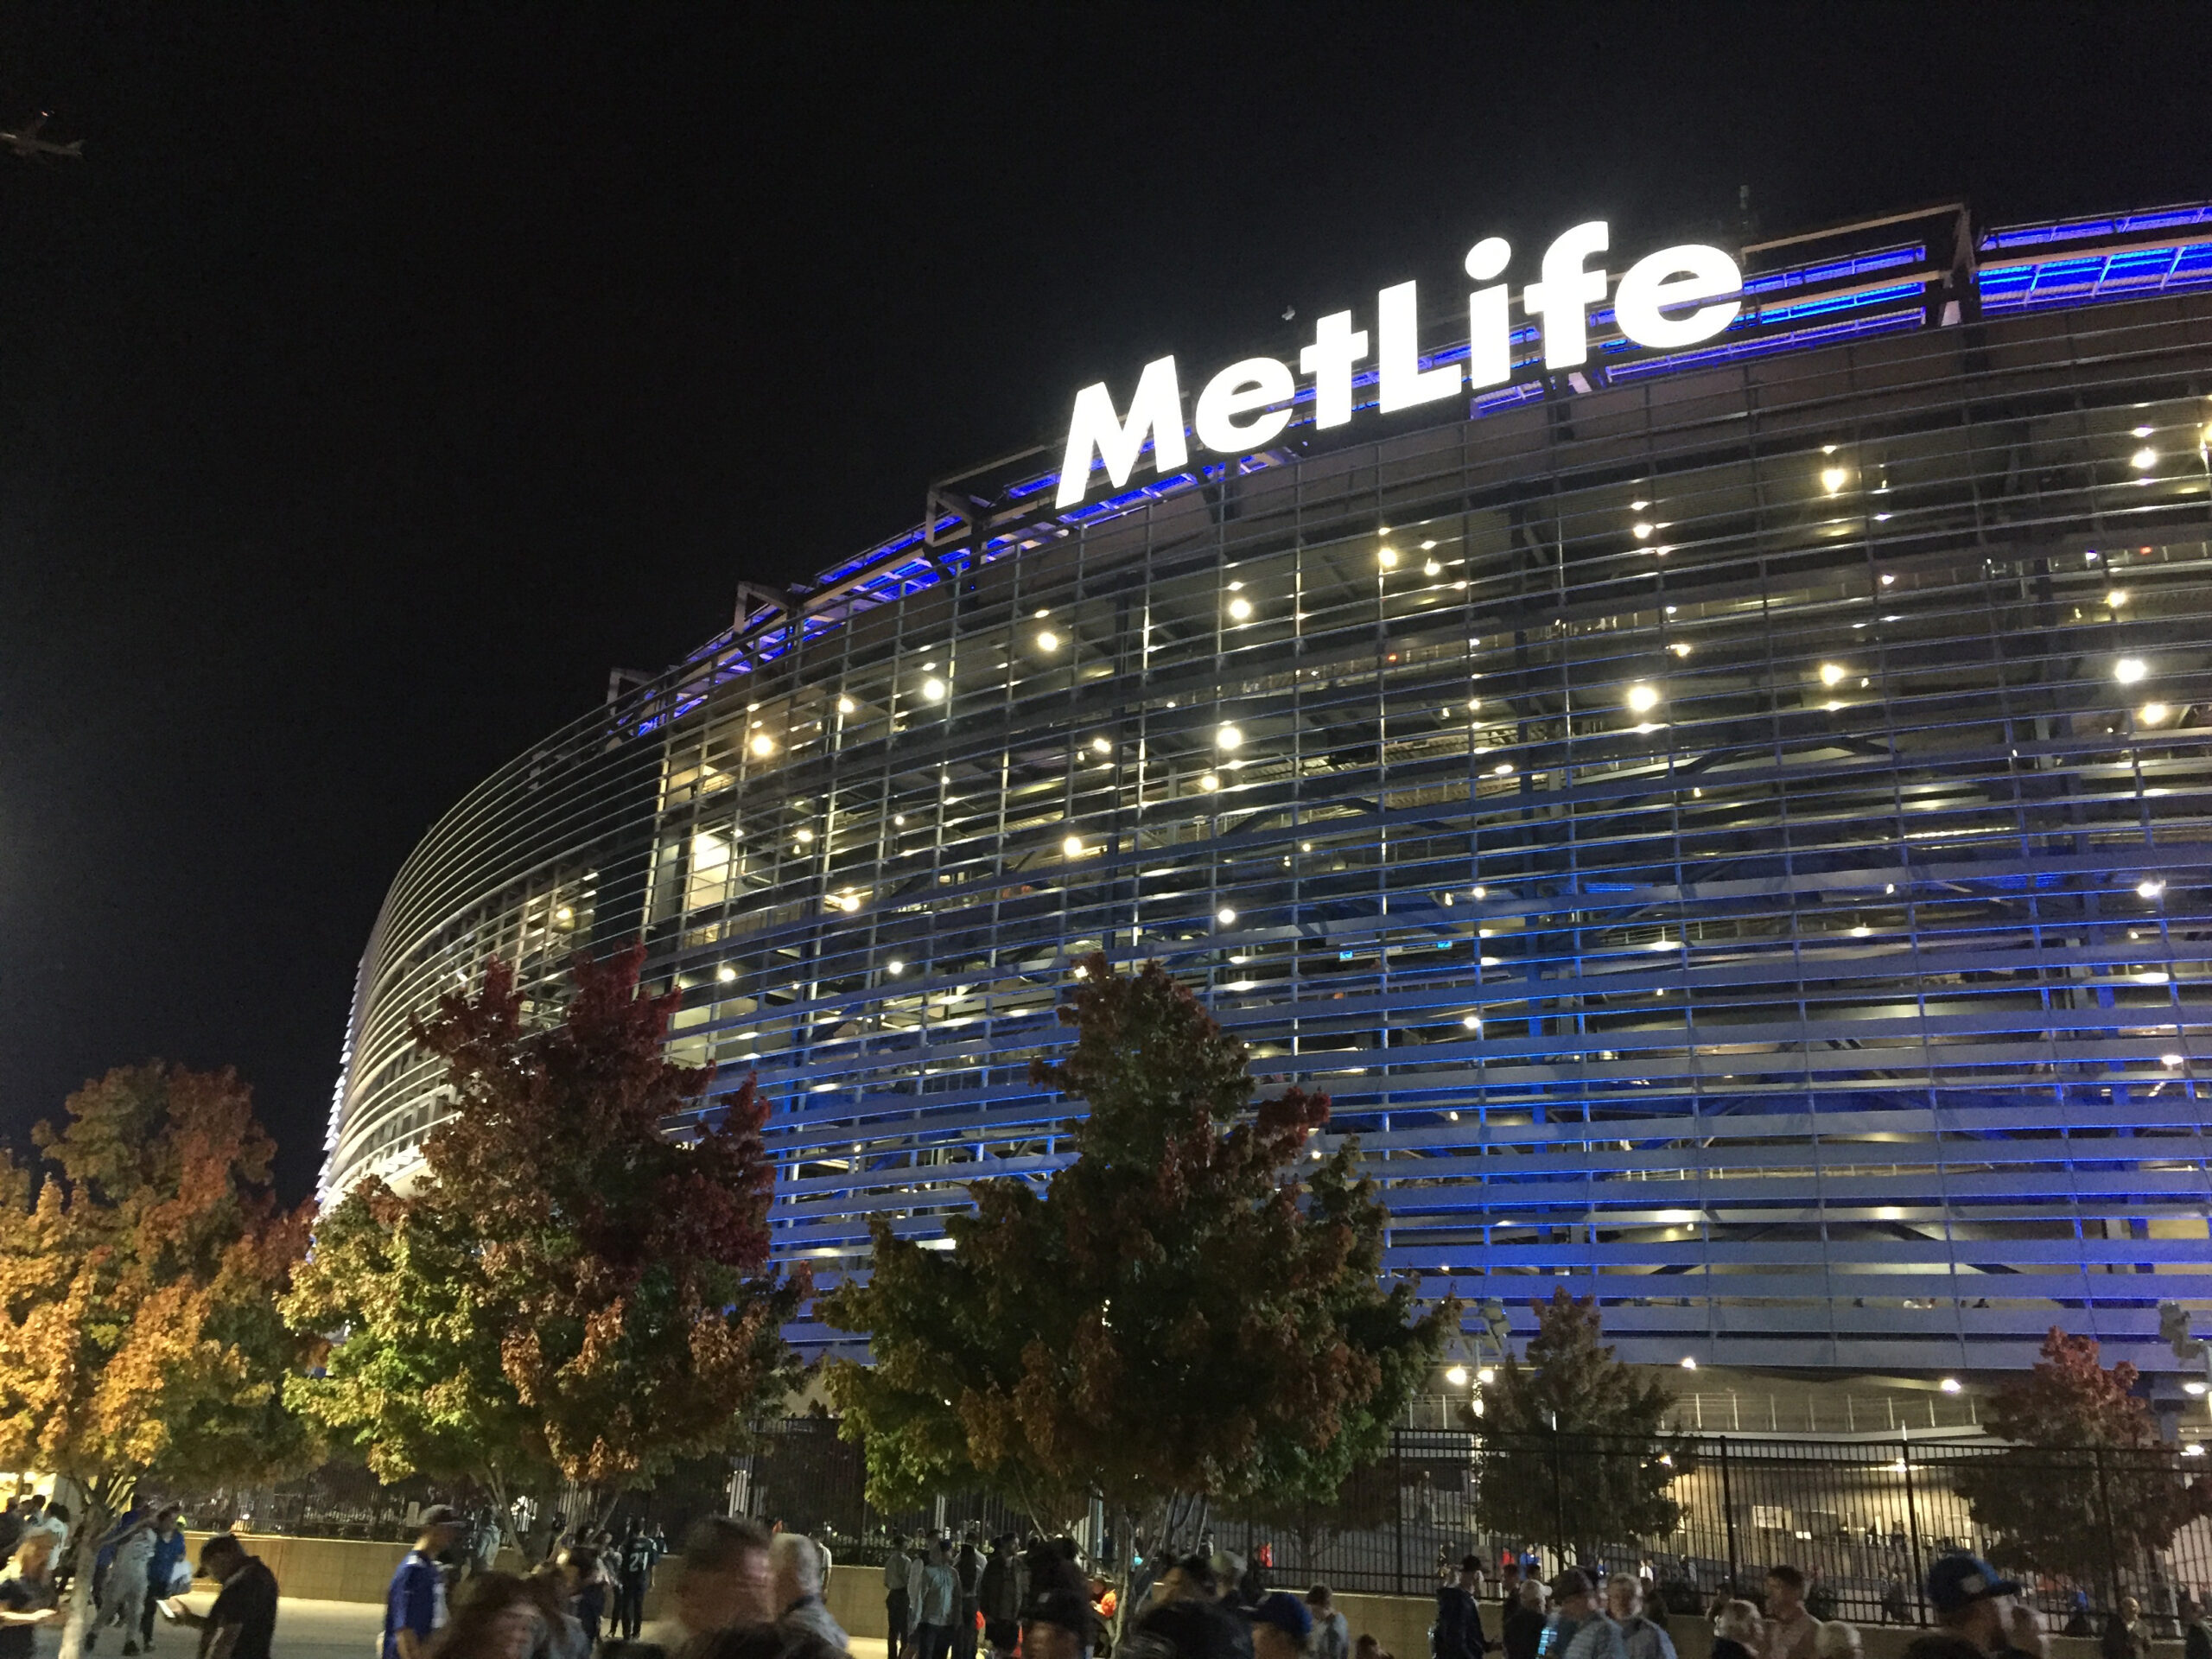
x=497, y=1619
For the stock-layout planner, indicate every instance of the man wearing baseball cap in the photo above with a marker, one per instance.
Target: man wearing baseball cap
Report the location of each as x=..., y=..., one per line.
x=1973, y=1600
x=1279, y=1626
x=414, y=1606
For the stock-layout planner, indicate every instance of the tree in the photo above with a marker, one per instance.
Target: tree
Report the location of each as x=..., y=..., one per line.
x=1575, y=1447
x=2086, y=1487
x=1177, y=1319
x=139, y=1335
x=568, y=1285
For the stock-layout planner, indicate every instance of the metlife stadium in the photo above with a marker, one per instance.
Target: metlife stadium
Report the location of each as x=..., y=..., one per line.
x=1727, y=826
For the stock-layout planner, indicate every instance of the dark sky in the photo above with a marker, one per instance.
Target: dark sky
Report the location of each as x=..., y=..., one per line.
x=380, y=378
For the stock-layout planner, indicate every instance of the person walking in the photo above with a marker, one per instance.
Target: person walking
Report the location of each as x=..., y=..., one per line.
x=998, y=1595
x=415, y=1602
x=1642, y=1638
x=633, y=1577
x=128, y=1551
x=243, y=1622
x=1735, y=1630
x=804, y=1622
x=163, y=1567
x=968, y=1570
x=1521, y=1629
x=935, y=1600
x=28, y=1599
x=498, y=1617
x=1331, y=1634
x=1458, y=1631
x=587, y=1588
x=1574, y=1603
x=898, y=1612
x=1281, y=1626
x=1596, y=1634
x=1973, y=1602
x=1791, y=1633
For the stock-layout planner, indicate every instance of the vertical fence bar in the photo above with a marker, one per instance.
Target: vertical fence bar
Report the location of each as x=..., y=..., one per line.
x=1398, y=1506
x=1912, y=1535
x=1728, y=1513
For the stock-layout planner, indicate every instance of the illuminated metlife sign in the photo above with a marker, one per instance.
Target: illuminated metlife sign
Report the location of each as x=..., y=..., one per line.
x=1675, y=297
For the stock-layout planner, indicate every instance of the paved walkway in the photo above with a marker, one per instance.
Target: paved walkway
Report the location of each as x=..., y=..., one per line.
x=313, y=1630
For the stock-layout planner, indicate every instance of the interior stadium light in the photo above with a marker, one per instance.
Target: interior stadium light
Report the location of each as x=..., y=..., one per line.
x=2149, y=887
x=1833, y=478
x=1680, y=648
x=1861, y=931
x=1240, y=609
x=1387, y=557
x=895, y=967
x=2130, y=670
x=1480, y=892
x=1486, y=1376
x=1047, y=640
x=1503, y=769
x=1643, y=698
x=1457, y=1376
x=1432, y=569
x=804, y=836
x=845, y=705
x=2142, y=432
x=1100, y=745
x=2193, y=1386
x=1224, y=915
x=1228, y=737
x=1072, y=846
x=2115, y=599
x=726, y=974
x=1641, y=530
x=2170, y=1060
x=1473, y=1022
x=564, y=915
x=2194, y=1449
x=933, y=689
x=2144, y=459
x=1689, y=1363
x=1949, y=1385
x=1832, y=673
x=1209, y=782
x=2151, y=713
x=762, y=744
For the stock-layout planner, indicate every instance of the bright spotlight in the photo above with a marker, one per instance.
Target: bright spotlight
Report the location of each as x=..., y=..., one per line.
x=1832, y=673
x=1833, y=478
x=1457, y=1376
x=1643, y=699
x=1387, y=557
x=1949, y=1385
x=1228, y=737
x=933, y=689
x=1224, y=915
x=762, y=744
x=1047, y=640
x=1072, y=846
x=2130, y=670
x=1240, y=610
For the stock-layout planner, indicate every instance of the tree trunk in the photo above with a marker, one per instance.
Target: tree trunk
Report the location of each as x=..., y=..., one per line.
x=85, y=1530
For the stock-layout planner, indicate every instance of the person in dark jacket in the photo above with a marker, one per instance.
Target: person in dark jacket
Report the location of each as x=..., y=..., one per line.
x=999, y=1595
x=968, y=1573
x=1735, y=1630
x=1521, y=1629
x=1458, y=1633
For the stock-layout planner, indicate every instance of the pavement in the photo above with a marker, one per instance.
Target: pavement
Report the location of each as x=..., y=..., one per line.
x=313, y=1630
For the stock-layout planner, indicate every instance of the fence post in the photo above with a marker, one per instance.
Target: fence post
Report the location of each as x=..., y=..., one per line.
x=2111, y=1530
x=1398, y=1505
x=1559, y=1502
x=1728, y=1512
x=1913, y=1535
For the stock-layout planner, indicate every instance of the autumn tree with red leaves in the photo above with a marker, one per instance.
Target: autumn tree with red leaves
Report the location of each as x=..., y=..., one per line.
x=1193, y=1311
x=2086, y=1489
x=570, y=1285
x=139, y=1278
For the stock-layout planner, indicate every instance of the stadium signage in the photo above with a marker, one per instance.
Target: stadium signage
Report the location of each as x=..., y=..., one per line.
x=1677, y=296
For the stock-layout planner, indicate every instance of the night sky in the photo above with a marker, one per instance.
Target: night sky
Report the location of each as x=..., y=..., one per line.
x=380, y=379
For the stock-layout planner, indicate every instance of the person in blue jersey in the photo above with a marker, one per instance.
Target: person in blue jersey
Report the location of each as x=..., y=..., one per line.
x=414, y=1606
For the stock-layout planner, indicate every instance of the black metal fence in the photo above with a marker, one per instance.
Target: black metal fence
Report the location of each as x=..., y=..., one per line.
x=1862, y=1518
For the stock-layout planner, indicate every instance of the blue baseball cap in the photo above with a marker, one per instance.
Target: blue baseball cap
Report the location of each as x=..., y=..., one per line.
x=1285, y=1613
x=1957, y=1581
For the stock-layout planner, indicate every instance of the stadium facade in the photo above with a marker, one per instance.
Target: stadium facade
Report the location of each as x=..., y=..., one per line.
x=1727, y=826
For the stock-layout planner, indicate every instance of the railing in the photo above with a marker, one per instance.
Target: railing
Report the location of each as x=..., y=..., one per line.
x=1863, y=1519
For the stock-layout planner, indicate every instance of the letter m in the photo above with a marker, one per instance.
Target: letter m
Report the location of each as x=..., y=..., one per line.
x=1156, y=411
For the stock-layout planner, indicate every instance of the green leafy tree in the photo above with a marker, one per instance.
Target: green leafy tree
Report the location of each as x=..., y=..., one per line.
x=1193, y=1312
x=1575, y=1447
x=139, y=1333
x=568, y=1285
x=2086, y=1489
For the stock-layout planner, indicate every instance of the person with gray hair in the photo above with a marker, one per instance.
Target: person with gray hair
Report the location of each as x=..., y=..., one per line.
x=1641, y=1637
x=795, y=1570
